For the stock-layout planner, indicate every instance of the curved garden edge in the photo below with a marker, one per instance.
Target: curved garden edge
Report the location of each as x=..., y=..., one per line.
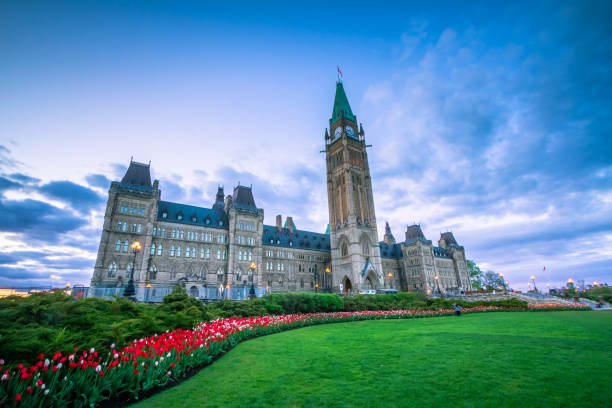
x=151, y=365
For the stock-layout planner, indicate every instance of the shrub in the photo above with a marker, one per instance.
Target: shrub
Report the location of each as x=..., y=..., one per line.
x=302, y=302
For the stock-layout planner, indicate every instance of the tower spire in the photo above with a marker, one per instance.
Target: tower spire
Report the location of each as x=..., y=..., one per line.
x=341, y=105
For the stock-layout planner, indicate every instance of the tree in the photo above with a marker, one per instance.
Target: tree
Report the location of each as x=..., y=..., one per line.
x=476, y=275
x=492, y=281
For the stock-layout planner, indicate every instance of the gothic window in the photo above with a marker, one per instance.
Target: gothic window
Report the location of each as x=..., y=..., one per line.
x=139, y=230
x=193, y=292
x=218, y=254
x=152, y=272
x=119, y=226
x=365, y=247
x=112, y=270
x=224, y=255
x=207, y=253
x=238, y=275
x=187, y=252
x=301, y=283
x=152, y=249
x=124, y=227
x=202, y=253
x=154, y=231
x=178, y=251
x=159, y=249
x=182, y=234
x=118, y=245
x=220, y=275
x=172, y=250
x=126, y=245
x=193, y=252
x=344, y=248
x=203, y=272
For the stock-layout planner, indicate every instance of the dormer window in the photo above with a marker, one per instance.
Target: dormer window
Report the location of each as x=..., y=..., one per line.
x=220, y=223
x=207, y=220
x=165, y=214
x=194, y=218
x=290, y=243
x=179, y=216
x=278, y=242
x=271, y=240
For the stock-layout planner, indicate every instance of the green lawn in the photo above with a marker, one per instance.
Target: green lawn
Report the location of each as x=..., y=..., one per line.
x=547, y=359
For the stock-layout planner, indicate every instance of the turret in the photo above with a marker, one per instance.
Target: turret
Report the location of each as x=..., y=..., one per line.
x=389, y=238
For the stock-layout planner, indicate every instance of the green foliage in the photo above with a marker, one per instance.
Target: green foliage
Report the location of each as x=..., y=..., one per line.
x=302, y=302
x=600, y=293
x=391, y=301
x=440, y=303
x=50, y=322
x=476, y=275
x=230, y=308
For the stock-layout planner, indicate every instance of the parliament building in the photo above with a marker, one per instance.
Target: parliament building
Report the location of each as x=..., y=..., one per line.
x=227, y=252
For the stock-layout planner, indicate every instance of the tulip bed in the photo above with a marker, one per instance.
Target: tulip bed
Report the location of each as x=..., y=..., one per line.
x=86, y=378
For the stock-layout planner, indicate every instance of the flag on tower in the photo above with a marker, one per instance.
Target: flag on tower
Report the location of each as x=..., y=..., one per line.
x=544, y=268
x=339, y=72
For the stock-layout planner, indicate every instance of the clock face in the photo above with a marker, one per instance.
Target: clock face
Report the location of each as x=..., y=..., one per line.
x=338, y=132
x=349, y=131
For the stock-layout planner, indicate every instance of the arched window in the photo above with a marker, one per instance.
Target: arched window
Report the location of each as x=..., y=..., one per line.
x=152, y=272
x=365, y=245
x=250, y=275
x=202, y=253
x=344, y=248
x=178, y=251
x=126, y=245
x=112, y=270
x=238, y=275
x=159, y=249
x=301, y=283
x=193, y=252
x=207, y=253
x=152, y=249
x=203, y=272
x=172, y=250
x=118, y=245
x=220, y=275
x=193, y=292
x=187, y=252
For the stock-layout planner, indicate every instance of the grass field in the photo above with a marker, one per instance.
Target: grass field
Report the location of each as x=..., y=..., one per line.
x=548, y=359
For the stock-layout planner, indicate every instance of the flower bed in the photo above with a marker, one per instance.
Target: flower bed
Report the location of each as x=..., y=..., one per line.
x=88, y=377
x=557, y=306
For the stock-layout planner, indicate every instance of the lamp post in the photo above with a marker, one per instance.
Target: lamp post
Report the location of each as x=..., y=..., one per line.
x=327, y=280
x=535, y=289
x=148, y=286
x=252, y=268
x=390, y=275
x=130, y=291
x=227, y=288
x=437, y=284
x=501, y=275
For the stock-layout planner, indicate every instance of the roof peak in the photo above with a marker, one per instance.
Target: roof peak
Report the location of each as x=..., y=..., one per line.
x=341, y=105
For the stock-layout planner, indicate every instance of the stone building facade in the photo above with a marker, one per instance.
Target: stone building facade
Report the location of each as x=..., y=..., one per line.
x=226, y=251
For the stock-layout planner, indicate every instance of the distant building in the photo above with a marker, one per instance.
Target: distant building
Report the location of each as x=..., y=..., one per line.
x=224, y=250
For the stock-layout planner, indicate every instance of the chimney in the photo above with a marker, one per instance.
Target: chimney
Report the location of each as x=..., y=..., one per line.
x=279, y=222
x=290, y=224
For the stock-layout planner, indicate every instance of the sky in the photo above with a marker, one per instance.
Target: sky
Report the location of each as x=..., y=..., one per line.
x=490, y=120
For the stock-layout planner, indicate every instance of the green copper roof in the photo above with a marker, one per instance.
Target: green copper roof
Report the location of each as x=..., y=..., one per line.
x=341, y=104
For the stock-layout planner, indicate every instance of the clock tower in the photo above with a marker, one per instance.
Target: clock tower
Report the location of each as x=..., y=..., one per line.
x=355, y=253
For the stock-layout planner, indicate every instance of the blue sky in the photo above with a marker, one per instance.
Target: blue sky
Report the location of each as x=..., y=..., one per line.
x=490, y=120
